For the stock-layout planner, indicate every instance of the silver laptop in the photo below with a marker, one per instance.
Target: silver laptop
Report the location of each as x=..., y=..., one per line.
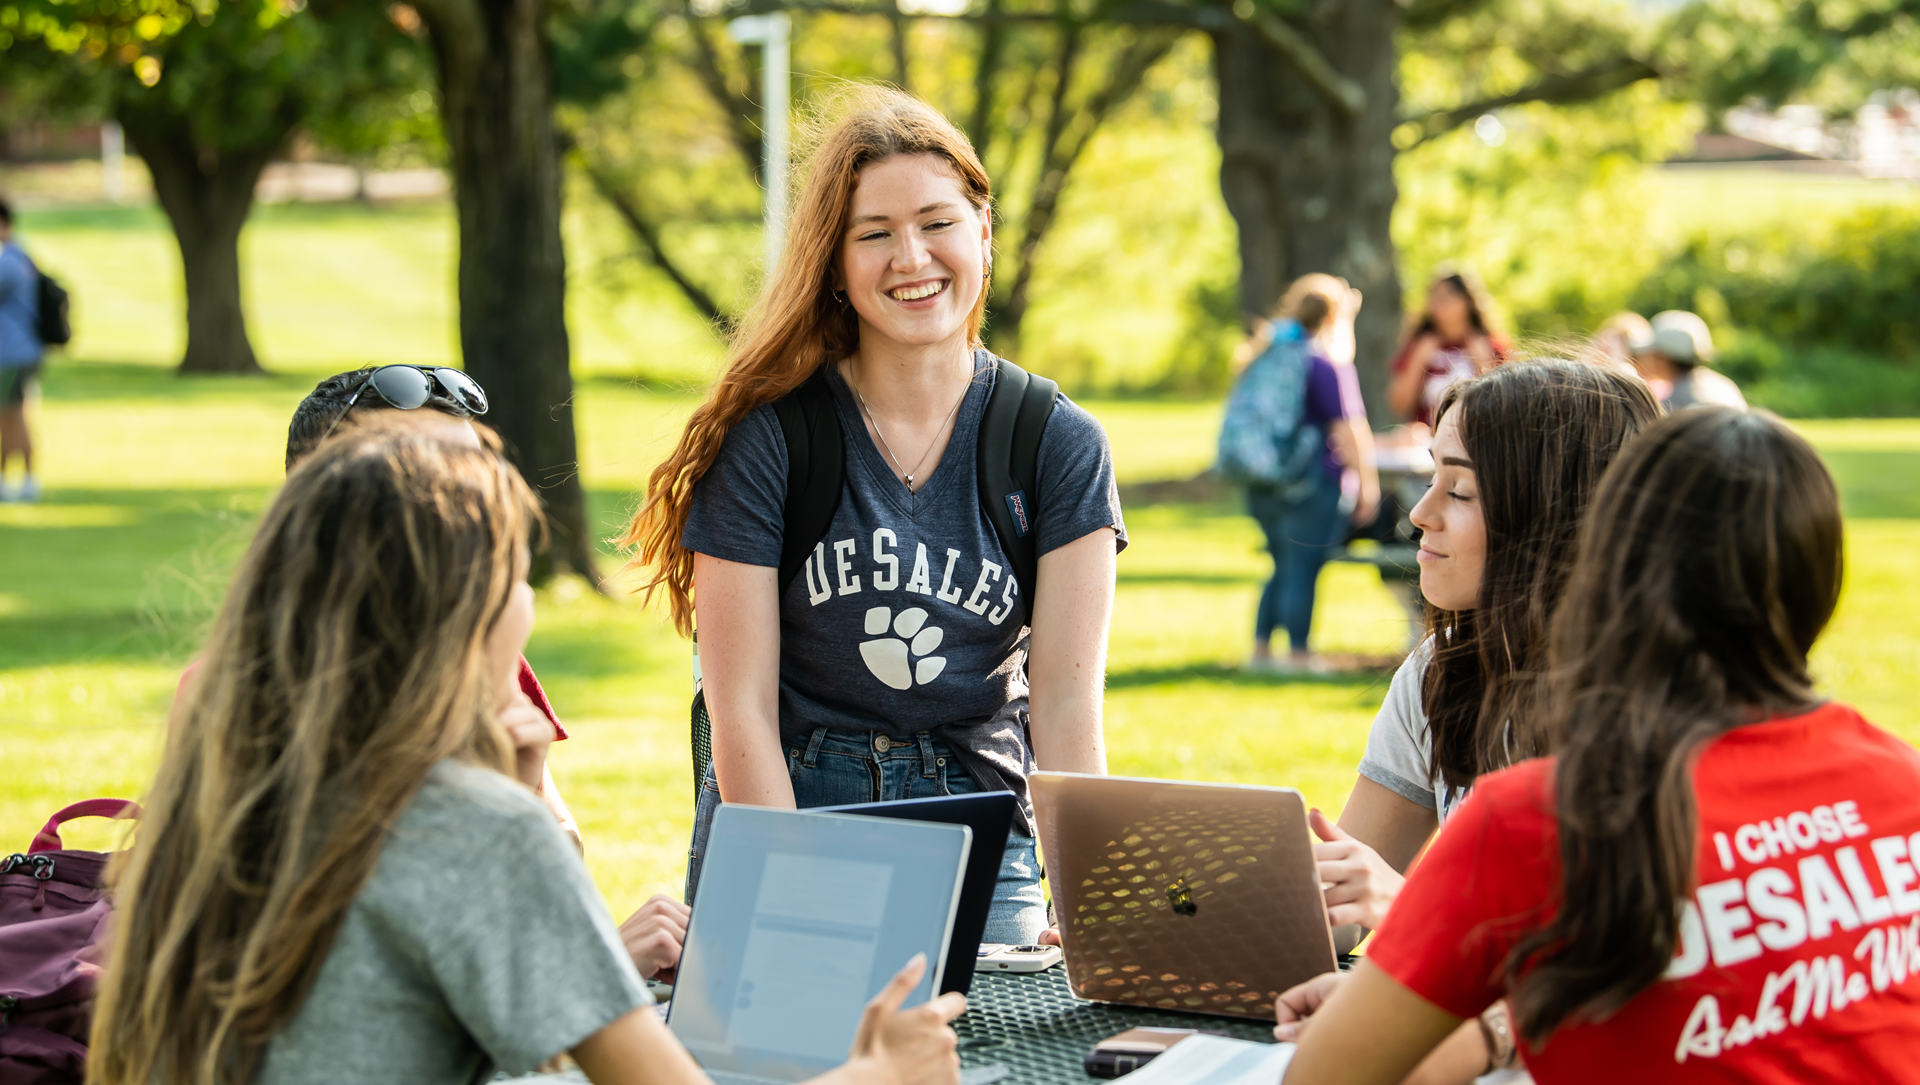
x=800, y=918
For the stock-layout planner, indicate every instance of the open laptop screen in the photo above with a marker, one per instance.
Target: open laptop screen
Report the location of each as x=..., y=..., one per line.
x=800, y=918
x=989, y=814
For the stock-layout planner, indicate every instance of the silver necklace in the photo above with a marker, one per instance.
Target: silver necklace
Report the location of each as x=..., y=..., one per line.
x=907, y=475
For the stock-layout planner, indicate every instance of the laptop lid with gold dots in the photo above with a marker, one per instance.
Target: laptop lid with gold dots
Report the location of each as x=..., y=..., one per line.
x=1175, y=895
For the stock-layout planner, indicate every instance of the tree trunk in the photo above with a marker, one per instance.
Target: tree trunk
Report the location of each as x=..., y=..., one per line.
x=1309, y=183
x=207, y=194
x=496, y=86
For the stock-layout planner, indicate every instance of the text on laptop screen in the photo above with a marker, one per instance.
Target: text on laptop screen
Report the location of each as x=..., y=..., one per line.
x=816, y=925
x=800, y=919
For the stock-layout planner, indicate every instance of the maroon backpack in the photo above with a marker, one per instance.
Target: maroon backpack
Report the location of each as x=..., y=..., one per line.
x=53, y=915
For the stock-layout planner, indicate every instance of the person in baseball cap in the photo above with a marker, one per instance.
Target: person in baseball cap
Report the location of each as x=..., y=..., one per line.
x=1674, y=362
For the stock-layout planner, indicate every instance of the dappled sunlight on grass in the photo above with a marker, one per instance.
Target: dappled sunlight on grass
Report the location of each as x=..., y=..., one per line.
x=331, y=286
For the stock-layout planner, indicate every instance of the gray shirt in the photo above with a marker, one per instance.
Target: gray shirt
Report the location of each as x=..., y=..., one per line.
x=907, y=617
x=1399, y=753
x=1702, y=387
x=479, y=944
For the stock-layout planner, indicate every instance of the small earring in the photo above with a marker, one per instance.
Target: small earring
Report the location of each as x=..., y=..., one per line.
x=838, y=297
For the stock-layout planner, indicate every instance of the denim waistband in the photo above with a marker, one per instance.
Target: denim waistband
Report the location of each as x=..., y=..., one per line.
x=876, y=745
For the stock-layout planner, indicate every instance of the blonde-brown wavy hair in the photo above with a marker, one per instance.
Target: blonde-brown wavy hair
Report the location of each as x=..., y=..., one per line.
x=797, y=325
x=349, y=657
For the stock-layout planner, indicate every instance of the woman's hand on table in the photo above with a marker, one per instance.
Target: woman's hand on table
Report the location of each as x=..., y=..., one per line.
x=909, y=1047
x=1302, y=1001
x=1360, y=885
x=654, y=934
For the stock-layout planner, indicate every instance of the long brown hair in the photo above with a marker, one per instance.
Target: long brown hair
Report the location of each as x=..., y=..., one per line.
x=1540, y=435
x=797, y=326
x=348, y=659
x=1710, y=564
x=1479, y=308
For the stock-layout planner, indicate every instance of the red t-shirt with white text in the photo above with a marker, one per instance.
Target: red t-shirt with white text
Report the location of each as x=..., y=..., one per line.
x=1800, y=950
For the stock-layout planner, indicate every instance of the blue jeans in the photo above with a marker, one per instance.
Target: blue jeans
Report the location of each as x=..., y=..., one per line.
x=838, y=768
x=1302, y=530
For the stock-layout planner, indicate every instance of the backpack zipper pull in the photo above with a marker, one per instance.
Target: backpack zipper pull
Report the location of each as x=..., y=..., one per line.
x=42, y=872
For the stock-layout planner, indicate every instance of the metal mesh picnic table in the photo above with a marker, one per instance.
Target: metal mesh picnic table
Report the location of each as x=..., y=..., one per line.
x=1034, y=1026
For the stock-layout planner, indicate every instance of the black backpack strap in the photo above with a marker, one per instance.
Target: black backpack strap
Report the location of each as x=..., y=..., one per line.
x=816, y=468
x=1009, y=449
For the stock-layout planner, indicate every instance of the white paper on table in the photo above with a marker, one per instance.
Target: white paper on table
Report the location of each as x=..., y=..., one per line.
x=1216, y=1060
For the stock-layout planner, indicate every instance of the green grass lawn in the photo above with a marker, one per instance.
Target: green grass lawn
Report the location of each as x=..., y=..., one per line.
x=154, y=481
x=1744, y=198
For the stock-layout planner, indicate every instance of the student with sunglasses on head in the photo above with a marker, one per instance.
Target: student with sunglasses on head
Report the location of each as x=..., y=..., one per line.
x=445, y=394
x=1714, y=879
x=342, y=874
x=656, y=931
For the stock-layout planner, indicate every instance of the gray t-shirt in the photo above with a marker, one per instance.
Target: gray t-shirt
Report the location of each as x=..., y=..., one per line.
x=1702, y=387
x=479, y=944
x=907, y=617
x=1399, y=753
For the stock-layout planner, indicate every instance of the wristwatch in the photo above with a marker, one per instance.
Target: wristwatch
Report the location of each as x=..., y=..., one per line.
x=1497, y=1028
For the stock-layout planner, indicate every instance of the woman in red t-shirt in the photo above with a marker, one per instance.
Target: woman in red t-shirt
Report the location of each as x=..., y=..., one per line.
x=1454, y=338
x=1715, y=879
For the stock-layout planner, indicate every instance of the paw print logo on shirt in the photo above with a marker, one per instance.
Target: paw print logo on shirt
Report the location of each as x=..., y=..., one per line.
x=898, y=654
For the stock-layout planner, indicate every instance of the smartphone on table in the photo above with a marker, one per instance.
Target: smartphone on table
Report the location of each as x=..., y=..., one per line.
x=995, y=957
x=1125, y=1052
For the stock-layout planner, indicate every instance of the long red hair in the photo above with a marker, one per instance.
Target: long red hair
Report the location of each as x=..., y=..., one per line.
x=796, y=325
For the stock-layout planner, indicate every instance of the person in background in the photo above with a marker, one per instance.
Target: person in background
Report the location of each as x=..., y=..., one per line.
x=1454, y=338
x=1518, y=455
x=20, y=354
x=1674, y=361
x=1714, y=879
x=1304, y=521
x=1622, y=338
x=342, y=873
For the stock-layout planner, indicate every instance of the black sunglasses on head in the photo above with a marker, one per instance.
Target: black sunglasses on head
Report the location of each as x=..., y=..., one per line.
x=408, y=387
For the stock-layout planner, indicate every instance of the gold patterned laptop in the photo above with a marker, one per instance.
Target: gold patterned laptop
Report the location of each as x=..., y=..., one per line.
x=1200, y=898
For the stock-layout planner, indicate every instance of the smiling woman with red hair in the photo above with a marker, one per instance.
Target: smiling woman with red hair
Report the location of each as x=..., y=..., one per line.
x=905, y=661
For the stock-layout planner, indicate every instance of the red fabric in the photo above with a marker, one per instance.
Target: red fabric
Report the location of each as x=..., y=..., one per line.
x=529, y=685
x=1810, y=829
x=1450, y=362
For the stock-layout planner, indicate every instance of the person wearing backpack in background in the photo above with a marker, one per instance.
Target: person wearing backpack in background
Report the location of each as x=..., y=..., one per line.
x=1295, y=427
x=21, y=349
x=903, y=658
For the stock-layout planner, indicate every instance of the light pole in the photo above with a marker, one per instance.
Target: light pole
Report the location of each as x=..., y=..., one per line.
x=113, y=162
x=770, y=32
